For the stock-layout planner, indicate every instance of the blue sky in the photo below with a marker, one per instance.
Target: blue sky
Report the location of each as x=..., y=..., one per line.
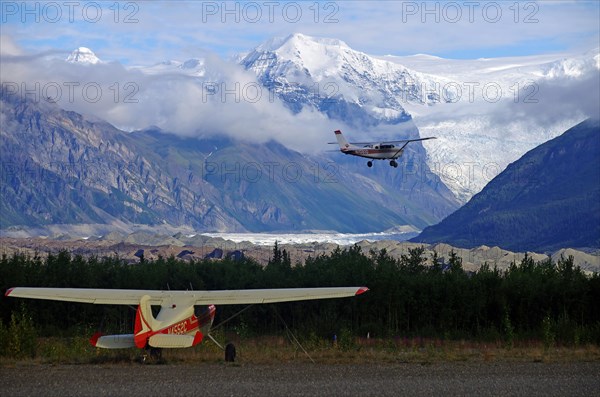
x=144, y=32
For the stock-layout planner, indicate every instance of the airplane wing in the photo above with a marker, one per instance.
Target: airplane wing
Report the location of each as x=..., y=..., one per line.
x=384, y=142
x=410, y=140
x=220, y=297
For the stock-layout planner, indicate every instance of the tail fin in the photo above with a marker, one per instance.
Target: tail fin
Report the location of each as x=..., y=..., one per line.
x=144, y=322
x=341, y=140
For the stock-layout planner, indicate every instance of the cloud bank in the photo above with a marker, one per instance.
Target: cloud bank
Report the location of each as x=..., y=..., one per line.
x=224, y=100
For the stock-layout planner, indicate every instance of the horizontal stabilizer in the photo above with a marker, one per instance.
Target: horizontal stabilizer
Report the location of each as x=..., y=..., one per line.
x=112, y=341
x=175, y=341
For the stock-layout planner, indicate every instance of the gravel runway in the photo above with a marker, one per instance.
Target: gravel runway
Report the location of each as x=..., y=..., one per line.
x=302, y=379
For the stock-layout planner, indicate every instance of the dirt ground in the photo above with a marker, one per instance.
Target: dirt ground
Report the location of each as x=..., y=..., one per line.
x=303, y=379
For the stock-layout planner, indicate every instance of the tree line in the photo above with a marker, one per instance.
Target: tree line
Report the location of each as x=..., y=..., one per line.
x=551, y=301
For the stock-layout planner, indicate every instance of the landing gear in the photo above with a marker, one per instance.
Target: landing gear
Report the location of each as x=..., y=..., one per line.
x=156, y=353
x=152, y=355
x=230, y=352
x=369, y=164
x=394, y=164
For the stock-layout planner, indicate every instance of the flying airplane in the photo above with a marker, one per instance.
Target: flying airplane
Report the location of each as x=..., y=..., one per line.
x=374, y=150
x=185, y=317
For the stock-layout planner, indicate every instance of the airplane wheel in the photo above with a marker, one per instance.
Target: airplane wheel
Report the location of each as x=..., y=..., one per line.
x=394, y=164
x=156, y=353
x=152, y=355
x=230, y=352
x=369, y=164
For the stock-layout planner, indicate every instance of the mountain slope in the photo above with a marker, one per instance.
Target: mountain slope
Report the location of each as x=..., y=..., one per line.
x=268, y=187
x=548, y=199
x=58, y=167
x=61, y=167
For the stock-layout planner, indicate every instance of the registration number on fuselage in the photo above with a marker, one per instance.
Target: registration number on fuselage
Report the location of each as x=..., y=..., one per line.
x=178, y=329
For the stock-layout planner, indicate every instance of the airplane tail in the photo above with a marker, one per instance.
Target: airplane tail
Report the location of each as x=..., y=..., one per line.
x=144, y=325
x=341, y=140
x=147, y=327
x=144, y=322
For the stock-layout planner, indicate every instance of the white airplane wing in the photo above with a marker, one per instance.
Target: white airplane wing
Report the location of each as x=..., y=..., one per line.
x=385, y=142
x=410, y=140
x=220, y=297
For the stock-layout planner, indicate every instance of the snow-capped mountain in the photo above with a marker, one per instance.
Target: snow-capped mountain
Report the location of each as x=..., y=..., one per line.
x=339, y=81
x=486, y=113
x=83, y=55
x=194, y=67
x=505, y=71
x=357, y=91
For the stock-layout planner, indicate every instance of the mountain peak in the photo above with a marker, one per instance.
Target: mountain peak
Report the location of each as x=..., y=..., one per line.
x=83, y=55
x=297, y=41
x=302, y=39
x=368, y=90
x=319, y=57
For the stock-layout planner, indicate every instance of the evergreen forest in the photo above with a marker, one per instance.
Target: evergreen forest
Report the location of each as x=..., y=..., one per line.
x=550, y=301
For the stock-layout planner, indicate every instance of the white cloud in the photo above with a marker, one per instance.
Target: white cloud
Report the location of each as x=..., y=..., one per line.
x=226, y=101
x=8, y=46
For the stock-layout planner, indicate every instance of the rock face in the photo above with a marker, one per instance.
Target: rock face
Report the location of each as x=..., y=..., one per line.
x=59, y=167
x=547, y=200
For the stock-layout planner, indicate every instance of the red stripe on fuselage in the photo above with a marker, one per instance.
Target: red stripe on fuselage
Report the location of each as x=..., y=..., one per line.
x=183, y=327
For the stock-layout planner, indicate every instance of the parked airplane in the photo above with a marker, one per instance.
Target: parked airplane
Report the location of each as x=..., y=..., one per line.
x=374, y=150
x=185, y=317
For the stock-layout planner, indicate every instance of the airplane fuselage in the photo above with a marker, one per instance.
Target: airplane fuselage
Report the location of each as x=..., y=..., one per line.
x=193, y=322
x=376, y=152
x=201, y=321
